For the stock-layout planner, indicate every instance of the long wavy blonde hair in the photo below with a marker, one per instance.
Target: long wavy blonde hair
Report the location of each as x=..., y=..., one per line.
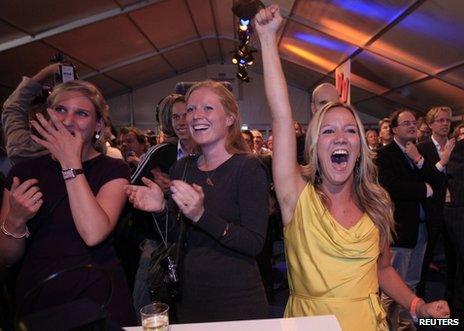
x=370, y=196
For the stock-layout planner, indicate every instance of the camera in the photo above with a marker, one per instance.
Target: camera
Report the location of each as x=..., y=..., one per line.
x=67, y=71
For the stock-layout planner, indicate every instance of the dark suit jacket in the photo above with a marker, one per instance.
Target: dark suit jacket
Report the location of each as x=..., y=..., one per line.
x=454, y=214
x=455, y=172
x=434, y=207
x=406, y=186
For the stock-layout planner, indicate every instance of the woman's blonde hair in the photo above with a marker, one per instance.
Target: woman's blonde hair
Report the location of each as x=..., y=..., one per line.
x=370, y=196
x=94, y=95
x=235, y=144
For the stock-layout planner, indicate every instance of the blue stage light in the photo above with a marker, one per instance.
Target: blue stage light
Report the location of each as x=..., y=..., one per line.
x=322, y=41
x=244, y=21
x=366, y=8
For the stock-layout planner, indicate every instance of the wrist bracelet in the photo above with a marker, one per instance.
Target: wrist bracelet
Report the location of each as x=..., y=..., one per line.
x=413, y=306
x=26, y=233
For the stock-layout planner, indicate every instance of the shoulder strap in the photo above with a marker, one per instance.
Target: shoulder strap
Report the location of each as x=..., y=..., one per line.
x=180, y=239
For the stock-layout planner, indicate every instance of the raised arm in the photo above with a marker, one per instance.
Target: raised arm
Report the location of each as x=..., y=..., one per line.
x=287, y=177
x=15, y=117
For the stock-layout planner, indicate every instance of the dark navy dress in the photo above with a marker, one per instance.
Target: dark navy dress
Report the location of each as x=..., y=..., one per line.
x=55, y=245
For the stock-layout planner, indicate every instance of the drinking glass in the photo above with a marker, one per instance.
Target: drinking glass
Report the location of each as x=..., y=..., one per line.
x=155, y=317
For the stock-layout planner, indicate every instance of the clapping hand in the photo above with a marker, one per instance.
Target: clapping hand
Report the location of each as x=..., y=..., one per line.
x=189, y=198
x=161, y=178
x=446, y=151
x=148, y=198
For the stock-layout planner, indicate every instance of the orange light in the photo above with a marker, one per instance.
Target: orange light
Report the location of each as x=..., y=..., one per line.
x=345, y=32
x=358, y=38
x=408, y=58
x=320, y=61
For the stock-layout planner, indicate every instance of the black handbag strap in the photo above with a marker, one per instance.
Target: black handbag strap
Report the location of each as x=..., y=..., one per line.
x=164, y=236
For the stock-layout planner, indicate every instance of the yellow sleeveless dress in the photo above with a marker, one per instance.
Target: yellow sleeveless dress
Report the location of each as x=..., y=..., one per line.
x=331, y=269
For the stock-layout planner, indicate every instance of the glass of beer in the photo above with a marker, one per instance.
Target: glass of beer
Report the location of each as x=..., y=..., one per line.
x=155, y=317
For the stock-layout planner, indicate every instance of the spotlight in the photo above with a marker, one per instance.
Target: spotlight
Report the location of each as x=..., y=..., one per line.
x=244, y=24
x=245, y=21
x=249, y=59
x=242, y=74
x=244, y=36
x=235, y=57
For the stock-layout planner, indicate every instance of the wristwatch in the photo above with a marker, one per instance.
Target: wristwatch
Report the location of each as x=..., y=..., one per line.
x=71, y=173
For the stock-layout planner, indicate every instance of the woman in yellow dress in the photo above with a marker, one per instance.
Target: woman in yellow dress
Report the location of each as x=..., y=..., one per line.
x=337, y=219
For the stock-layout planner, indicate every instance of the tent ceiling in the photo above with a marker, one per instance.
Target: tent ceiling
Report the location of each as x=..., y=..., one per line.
x=404, y=52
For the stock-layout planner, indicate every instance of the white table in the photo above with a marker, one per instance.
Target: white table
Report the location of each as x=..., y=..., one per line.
x=325, y=323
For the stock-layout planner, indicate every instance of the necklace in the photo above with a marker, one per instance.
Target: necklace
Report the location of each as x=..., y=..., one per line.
x=209, y=177
x=210, y=174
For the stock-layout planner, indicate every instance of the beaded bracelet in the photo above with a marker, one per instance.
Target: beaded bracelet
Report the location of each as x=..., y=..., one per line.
x=26, y=233
x=413, y=306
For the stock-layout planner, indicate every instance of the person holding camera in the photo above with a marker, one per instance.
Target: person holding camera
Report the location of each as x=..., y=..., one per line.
x=223, y=199
x=59, y=210
x=18, y=109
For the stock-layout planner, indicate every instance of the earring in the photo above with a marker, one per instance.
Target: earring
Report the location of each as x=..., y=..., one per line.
x=97, y=135
x=317, y=178
x=357, y=169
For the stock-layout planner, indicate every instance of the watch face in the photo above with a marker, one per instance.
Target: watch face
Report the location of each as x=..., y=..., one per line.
x=71, y=173
x=68, y=173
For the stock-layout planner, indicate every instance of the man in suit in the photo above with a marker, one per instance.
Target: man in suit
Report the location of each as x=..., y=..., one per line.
x=437, y=151
x=401, y=176
x=454, y=221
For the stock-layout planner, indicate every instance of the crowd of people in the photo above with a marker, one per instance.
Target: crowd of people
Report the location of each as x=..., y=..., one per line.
x=361, y=211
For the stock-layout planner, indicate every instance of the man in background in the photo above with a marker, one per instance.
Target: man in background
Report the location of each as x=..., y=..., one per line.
x=322, y=95
x=385, y=135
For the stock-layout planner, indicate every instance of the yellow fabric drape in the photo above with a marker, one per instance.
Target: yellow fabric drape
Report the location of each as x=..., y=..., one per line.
x=331, y=269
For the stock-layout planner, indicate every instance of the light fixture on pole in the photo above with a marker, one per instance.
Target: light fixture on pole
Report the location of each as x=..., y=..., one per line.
x=245, y=10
